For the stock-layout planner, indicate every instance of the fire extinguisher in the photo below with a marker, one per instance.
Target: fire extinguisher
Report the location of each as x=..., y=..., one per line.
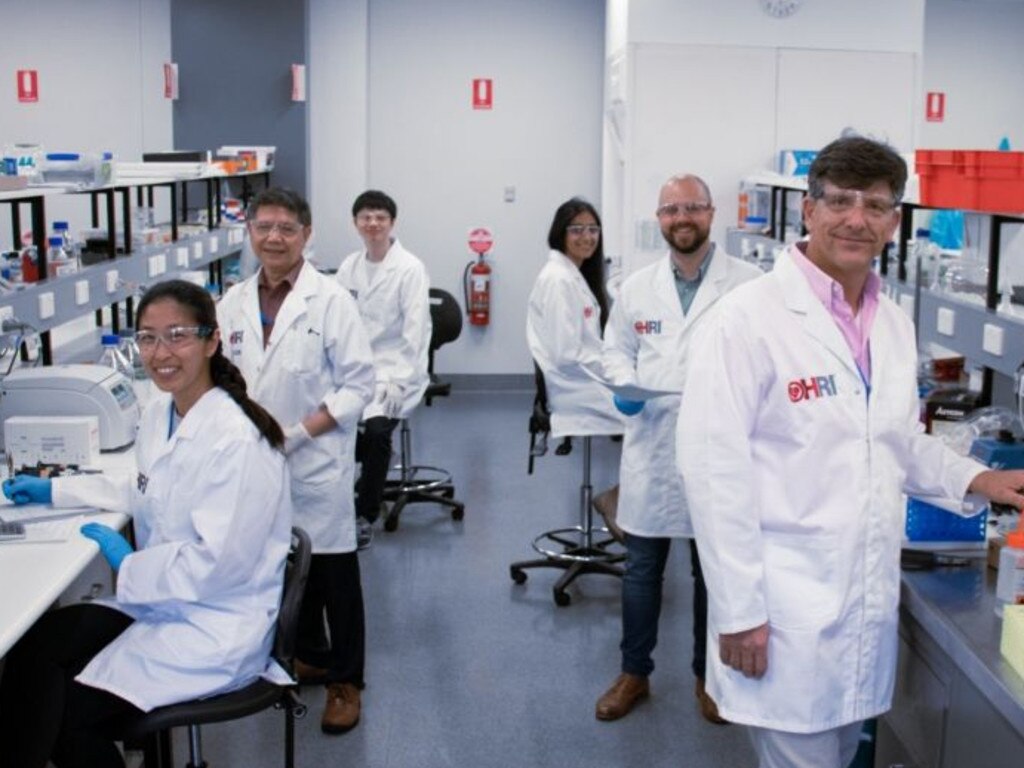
x=476, y=281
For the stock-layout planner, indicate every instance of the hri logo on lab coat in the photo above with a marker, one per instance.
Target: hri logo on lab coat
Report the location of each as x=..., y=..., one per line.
x=647, y=327
x=814, y=387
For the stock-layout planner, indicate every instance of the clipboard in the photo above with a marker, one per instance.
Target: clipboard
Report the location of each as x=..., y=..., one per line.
x=631, y=391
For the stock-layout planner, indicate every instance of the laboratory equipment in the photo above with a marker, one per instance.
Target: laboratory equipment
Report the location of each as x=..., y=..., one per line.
x=75, y=390
x=1010, y=583
x=33, y=440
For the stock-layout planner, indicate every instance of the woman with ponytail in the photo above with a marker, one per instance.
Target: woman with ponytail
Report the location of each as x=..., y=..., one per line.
x=196, y=604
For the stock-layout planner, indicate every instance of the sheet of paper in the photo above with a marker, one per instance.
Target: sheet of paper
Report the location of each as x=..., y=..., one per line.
x=630, y=391
x=41, y=531
x=33, y=513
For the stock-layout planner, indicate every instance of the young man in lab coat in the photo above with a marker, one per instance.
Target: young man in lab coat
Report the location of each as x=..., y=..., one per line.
x=391, y=288
x=659, y=311
x=299, y=343
x=797, y=434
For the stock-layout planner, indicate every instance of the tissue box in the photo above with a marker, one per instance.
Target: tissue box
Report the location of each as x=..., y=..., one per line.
x=1012, y=643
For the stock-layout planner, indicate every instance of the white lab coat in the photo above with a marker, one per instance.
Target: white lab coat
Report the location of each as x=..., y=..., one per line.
x=395, y=307
x=318, y=355
x=796, y=498
x=212, y=519
x=563, y=330
x=646, y=342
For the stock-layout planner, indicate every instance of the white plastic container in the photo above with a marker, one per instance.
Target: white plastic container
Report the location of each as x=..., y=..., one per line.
x=1010, y=584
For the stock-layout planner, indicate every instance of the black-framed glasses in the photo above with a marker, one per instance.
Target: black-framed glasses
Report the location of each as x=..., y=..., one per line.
x=670, y=210
x=583, y=229
x=175, y=337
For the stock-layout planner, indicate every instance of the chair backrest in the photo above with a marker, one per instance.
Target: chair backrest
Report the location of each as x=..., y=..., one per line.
x=296, y=571
x=446, y=317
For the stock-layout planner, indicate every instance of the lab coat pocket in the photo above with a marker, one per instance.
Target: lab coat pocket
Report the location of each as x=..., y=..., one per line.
x=800, y=579
x=304, y=350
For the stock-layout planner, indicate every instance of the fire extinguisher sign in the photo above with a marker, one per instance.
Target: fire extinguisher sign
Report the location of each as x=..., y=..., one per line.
x=480, y=240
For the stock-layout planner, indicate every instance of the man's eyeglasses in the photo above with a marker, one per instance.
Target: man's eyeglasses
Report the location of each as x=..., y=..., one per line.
x=286, y=229
x=175, y=337
x=583, y=229
x=670, y=210
x=845, y=200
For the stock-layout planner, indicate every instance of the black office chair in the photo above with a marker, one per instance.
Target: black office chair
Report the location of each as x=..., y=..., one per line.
x=417, y=482
x=154, y=730
x=581, y=548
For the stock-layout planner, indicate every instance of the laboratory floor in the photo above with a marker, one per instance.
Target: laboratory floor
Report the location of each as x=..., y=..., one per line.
x=469, y=670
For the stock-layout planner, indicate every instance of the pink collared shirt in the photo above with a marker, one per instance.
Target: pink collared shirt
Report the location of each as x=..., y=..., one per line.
x=856, y=328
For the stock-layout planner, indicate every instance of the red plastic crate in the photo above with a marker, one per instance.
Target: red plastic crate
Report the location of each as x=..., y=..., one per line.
x=978, y=180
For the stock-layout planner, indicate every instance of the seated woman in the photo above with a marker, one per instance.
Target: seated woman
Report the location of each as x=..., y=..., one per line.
x=567, y=312
x=196, y=605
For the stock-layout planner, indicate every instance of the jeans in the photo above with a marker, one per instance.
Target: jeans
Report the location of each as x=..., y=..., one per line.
x=373, y=451
x=334, y=589
x=641, y=604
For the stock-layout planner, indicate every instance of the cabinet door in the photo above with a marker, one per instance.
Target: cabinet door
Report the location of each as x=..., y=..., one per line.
x=977, y=735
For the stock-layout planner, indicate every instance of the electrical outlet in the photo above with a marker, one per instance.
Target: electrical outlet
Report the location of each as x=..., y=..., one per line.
x=992, y=340
x=47, y=307
x=945, y=321
x=6, y=313
x=157, y=264
x=214, y=244
x=110, y=280
x=81, y=292
x=197, y=250
x=182, y=256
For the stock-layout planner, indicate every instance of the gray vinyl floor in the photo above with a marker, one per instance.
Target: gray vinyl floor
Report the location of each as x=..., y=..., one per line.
x=466, y=668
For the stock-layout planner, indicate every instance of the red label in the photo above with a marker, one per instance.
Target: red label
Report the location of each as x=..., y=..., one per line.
x=480, y=240
x=483, y=93
x=170, y=80
x=935, y=107
x=28, y=85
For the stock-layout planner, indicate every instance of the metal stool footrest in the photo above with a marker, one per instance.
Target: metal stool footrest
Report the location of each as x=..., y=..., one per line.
x=417, y=478
x=578, y=549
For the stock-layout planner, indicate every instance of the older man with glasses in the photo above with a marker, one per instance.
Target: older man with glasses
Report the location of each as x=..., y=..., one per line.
x=797, y=435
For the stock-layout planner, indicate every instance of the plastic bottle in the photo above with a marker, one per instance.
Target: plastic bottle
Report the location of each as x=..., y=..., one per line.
x=130, y=352
x=1010, y=584
x=71, y=248
x=111, y=356
x=30, y=264
x=926, y=256
x=58, y=261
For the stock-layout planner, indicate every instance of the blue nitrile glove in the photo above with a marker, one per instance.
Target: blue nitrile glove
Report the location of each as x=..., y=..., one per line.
x=21, y=489
x=113, y=545
x=628, y=407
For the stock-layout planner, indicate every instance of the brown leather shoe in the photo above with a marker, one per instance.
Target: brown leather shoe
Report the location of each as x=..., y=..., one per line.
x=708, y=708
x=607, y=505
x=341, y=712
x=619, y=700
x=307, y=674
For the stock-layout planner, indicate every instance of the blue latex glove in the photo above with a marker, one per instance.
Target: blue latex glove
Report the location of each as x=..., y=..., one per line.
x=628, y=407
x=21, y=489
x=113, y=545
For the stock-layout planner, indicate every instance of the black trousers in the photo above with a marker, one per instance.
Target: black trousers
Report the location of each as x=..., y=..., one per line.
x=334, y=587
x=373, y=451
x=700, y=613
x=44, y=713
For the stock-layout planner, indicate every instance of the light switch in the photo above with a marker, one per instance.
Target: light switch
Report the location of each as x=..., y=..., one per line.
x=992, y=340
x=945, y=321
x=46, y=305
x=510, y=194
x=81, y=292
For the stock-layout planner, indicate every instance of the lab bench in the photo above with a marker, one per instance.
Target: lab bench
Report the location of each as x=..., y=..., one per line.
x=957, y=703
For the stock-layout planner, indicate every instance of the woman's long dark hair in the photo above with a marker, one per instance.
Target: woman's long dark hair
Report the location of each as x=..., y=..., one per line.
x=197, y=302
x=593, y=268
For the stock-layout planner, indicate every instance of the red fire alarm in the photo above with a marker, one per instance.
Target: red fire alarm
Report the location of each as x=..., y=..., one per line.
x=28, y=85
x=935, y=107
x=483, y=93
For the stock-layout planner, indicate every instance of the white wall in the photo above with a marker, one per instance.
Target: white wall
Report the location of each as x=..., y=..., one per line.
x=100, y=70
x=447, y=165
x=974, y=53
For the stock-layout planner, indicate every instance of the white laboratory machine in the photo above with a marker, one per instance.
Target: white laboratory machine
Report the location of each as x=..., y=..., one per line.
x=75, y=390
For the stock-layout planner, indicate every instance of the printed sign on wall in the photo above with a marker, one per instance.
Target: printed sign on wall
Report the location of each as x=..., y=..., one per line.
x=28, y=85
x=483, y=93
x=935, y=107
x=170, y=80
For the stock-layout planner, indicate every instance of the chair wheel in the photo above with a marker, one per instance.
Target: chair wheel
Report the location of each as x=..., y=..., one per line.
x=458, y=513
x=518, y=575
x=562, y=599
x=448, y=493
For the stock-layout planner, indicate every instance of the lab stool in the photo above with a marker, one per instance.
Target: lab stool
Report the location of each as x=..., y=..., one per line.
x=418, y=482
x=577, y=550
